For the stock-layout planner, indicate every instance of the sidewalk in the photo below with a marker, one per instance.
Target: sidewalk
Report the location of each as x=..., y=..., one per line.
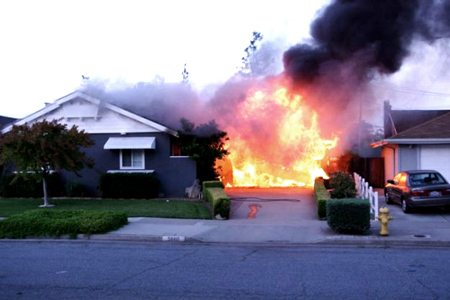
x=286, y=216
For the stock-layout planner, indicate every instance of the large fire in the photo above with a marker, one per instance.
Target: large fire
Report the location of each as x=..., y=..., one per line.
x=274, y=142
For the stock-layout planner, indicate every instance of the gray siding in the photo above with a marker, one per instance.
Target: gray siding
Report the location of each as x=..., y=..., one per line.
x=174, y=173
x=408, y=158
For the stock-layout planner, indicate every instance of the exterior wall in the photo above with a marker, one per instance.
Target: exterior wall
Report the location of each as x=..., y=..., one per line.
x=174, y=173
x=408, y=157
x=390, y=155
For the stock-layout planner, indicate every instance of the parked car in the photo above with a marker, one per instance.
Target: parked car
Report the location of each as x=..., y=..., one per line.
x=418, y=188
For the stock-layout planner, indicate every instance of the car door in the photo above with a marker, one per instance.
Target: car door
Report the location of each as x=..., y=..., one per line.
x=397, y=188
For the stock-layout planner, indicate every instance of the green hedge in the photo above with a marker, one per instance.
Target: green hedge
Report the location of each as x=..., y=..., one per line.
x=321, y=196
x=55, y=223
x=30, y=187
x=212, y=184
x=349, y=215
x=217, y=197
x=129, y=185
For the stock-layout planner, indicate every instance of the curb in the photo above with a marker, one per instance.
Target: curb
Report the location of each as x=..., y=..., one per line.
x=338, y=241
x=326, y=242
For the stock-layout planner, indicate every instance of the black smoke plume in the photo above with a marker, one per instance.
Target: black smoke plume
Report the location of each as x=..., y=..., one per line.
x=375, y=33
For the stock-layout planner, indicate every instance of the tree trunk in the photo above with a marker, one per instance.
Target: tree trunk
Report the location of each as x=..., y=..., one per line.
x=44, y=183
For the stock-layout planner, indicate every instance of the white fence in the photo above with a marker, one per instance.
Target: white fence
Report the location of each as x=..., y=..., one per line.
x=365, y=191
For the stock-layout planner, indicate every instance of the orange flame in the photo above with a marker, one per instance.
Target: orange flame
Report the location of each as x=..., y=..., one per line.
x=275, y=141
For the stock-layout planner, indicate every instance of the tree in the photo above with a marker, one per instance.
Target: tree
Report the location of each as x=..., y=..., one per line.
x=246, y=70
x=185, y=76
x=205, y=144
x=37, y=150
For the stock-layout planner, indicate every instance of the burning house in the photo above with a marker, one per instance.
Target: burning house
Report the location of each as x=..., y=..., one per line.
x=281, y=128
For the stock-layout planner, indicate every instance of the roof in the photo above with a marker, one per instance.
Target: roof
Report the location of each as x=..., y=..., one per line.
x=415, y=127
x=403, y=120
x=6, y=121
x=436, y=128
x=57, y=103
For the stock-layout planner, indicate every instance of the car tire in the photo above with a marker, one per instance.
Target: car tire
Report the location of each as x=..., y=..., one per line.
x=405, y=207
x=387, y=198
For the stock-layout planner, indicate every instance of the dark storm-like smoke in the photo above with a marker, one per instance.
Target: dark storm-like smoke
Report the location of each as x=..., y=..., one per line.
x=375, y=33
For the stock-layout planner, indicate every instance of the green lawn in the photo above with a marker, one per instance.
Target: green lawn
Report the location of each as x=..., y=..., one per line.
x=132, y=207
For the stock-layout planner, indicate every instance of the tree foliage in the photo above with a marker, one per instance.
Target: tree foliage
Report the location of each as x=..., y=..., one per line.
x=205, y=144
x=44, y=147
x=185, y=74
x=246, y=69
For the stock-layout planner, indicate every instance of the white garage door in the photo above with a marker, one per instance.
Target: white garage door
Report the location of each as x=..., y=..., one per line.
x=436, y=157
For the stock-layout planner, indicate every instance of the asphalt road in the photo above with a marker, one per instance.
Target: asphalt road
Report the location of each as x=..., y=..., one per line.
x=112, y=270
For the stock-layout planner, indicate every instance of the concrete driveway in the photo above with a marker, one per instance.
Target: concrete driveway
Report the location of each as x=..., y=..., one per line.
x=274, y=205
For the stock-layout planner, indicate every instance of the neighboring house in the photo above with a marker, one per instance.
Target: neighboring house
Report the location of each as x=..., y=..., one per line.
x=415, y=139
x=124, y=143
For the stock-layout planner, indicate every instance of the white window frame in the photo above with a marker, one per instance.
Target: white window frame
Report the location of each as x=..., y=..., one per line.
x=133, y=152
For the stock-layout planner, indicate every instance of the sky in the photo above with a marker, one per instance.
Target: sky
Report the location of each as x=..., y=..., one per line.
x=48, y=45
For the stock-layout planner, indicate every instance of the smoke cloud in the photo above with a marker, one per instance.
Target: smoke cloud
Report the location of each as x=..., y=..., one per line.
x=375, y=33
x=354, y=41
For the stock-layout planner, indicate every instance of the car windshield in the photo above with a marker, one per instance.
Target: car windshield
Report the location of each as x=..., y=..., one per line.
x=420, y=179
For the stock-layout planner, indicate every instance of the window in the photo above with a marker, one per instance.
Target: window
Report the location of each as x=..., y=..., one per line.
x=132, y=159
x=176, y=149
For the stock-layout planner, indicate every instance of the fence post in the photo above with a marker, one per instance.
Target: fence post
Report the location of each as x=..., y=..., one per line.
x=364, y=191
x=375, y=202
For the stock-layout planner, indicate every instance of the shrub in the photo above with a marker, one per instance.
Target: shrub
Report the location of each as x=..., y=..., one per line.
x=55, y=223
x=76, y=189
x=321, y=196
x=342, y=185
x=129, y=185
x=217, y=197
x=349, y=215
x=212, y=184
x=30, y=187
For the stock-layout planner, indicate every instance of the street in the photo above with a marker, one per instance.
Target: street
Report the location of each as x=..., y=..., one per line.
x=132, y=270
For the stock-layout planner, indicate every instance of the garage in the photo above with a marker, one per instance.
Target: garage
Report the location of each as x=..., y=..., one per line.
x=436, y=157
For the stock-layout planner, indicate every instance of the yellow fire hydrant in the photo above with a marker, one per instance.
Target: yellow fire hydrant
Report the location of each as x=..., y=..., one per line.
x=384, y=219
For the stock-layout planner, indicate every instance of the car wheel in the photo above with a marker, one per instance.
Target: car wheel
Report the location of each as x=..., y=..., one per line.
x=387, y=198
x=406, y=209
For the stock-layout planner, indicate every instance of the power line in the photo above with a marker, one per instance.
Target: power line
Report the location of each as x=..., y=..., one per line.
x=410, y=90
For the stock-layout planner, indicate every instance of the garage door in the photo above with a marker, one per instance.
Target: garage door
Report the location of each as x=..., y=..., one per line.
x=436, y=157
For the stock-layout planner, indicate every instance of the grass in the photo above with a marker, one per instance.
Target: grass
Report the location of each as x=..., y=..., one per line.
x=56, y=223
x=131, y=207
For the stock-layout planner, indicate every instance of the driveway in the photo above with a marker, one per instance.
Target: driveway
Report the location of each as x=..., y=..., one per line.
x=274, y=205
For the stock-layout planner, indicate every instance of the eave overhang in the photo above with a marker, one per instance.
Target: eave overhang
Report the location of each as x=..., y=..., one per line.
x=386, y=142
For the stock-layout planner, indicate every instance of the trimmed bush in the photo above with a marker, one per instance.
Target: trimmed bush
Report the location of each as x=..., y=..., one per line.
x=212, y=184
x=55, y=223
x=217, y=197
x=342, y=185
x=129, y=185
x=321, y=196
x=30, y=187
x=349, y=215
x=76, y=189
